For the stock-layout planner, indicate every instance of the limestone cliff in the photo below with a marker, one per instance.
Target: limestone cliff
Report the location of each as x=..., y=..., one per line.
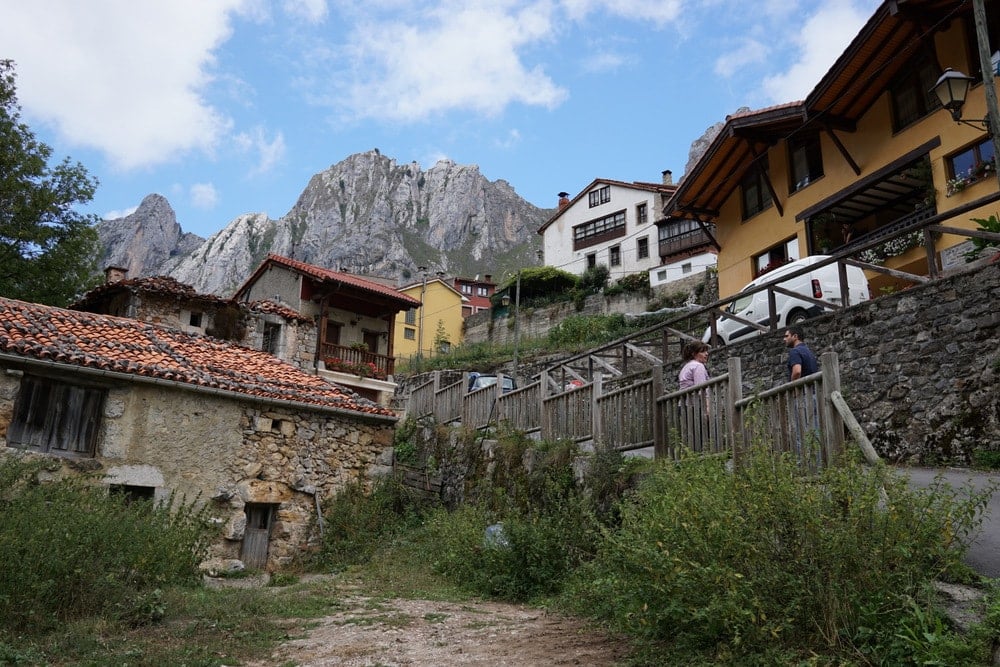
x=366, y=214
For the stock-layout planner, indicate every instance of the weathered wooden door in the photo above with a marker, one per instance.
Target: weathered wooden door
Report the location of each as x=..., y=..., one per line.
x=255, y=539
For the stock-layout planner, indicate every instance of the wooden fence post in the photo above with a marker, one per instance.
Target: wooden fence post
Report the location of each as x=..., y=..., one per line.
x=545, y=427
x=833, y=437
x=659, y=441
x=436, y=378
x=735, y=395
x=596, y=418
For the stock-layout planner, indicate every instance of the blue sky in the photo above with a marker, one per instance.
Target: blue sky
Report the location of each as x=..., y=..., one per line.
x=228, y=107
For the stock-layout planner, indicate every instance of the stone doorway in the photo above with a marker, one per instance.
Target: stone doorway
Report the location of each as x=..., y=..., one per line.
x=260, y=518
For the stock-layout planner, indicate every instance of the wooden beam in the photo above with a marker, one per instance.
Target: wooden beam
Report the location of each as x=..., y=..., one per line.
x=843, y=150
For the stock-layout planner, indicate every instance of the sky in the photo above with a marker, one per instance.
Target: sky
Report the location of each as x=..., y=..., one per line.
x=227, y=107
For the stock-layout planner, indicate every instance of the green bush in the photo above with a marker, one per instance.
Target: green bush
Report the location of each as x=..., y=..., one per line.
x=744, y=563
x=595, y=279
x=356, y=522
x=635, y=282
x=576, y=331
x=71, y=550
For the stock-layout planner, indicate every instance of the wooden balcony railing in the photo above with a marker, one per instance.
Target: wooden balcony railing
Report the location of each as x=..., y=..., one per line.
x=683, y=242
x=356, y=361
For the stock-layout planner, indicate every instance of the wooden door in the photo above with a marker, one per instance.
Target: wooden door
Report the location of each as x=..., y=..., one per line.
x=258, y=531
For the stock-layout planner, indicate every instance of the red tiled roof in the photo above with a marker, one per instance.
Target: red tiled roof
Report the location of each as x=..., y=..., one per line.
x=275, y=308
x=328, y=275
x=164, y=285
x=123, y=345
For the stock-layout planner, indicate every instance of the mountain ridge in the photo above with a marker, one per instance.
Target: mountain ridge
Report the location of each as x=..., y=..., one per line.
x=366, y=214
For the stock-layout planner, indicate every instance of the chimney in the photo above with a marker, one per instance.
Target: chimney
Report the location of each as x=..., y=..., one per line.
x=563, y=200
x=668, y=177
x=114, y=274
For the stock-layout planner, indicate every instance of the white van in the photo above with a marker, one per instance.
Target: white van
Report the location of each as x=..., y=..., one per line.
x=822, y=283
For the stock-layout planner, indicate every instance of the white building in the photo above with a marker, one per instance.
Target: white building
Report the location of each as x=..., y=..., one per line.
x=610, y=223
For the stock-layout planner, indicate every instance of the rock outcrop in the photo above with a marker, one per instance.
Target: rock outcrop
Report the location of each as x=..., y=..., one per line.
x=366, y=214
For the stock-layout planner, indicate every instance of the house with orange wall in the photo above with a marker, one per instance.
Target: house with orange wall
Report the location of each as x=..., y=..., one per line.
x=869, y=153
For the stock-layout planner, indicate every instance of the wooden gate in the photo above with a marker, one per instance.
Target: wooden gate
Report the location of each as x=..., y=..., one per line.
x=260, y=517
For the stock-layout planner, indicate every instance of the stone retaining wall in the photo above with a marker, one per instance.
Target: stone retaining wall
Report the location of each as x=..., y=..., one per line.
x=920, y=369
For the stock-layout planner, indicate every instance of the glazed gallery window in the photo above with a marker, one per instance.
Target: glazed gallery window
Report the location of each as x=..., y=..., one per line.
x=596, y=231
x=56, y=417
x=805, y=161
x=599, y=196
x=756, y=196
x=911, y=93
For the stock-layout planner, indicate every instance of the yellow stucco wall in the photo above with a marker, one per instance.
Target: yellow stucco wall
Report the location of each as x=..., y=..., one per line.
x=872, y=146
x=443, y=305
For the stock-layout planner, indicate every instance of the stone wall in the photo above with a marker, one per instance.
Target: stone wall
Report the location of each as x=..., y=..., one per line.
x=229, y=452
x=920, y=369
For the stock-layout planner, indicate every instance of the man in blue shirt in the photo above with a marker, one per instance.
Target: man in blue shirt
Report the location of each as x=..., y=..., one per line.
x=801, y=360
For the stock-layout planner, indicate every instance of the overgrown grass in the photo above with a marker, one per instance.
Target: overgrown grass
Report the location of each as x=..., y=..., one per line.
x=765, y=565
x=69, y=550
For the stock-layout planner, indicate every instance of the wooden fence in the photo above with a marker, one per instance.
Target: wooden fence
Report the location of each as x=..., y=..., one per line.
x=634, y=413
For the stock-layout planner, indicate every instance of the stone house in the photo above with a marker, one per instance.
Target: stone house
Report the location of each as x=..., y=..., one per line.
x=354, y=321
x=870, y=153
x=155, y=411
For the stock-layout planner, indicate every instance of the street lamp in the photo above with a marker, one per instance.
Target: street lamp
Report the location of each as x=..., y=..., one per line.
x=953, y=86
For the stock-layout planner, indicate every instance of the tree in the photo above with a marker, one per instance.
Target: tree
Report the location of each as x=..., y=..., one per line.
x=48, y=251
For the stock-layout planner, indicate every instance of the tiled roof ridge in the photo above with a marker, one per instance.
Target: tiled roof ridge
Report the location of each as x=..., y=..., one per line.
x=322, y=273
x=124, y=345
x=161, y=284
x=276, y=308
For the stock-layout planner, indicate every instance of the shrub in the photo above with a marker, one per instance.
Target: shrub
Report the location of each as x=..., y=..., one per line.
x=356, y=522
x=636, y=282
x=71, y=550
x=719, y=562
x=578, y=331
x=595, y=279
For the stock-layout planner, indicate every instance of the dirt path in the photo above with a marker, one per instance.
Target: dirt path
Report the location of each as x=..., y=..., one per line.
x=395, y=632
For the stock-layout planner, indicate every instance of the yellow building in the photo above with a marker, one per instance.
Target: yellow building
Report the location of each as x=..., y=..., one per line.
x=433, y=327
x=869, y=153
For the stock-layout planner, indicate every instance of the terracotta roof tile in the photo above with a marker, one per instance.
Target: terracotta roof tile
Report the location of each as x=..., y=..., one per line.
x=275, y=308
x=164, y=285
x=79, y=338
x=328, y=275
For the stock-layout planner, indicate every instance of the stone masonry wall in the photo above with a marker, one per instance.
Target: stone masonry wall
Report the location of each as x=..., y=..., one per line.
x=229, y=452
x=920, y=369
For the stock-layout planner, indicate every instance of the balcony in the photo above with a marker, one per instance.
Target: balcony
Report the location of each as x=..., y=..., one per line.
x=685, y=241
x=356, y=361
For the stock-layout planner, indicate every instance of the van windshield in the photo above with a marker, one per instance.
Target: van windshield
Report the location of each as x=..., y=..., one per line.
x=740, y=304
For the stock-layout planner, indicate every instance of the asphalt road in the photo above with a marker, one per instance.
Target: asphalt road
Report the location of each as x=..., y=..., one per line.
x=984, y=554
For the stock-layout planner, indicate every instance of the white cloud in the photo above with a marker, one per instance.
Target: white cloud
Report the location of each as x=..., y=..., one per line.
x=732, y=63
x=204, y=196
x=269, y=152
x=313, y=11
x=123, y=77
x=660, y=12
x=603, y=61
x=820, y=41
x=114, y=215
x=512, y=139
x=465, y=57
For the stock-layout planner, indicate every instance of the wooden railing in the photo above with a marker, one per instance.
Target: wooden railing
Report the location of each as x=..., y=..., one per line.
x=356, y=361
x=635, y=413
